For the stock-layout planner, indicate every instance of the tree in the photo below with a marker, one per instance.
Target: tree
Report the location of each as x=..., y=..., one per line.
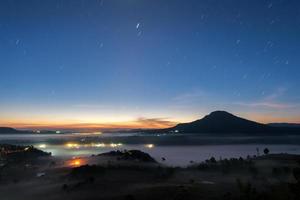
x=266, y=151
x=213, y=160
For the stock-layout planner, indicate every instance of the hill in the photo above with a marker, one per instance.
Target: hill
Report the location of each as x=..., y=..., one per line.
x=8, y=130
x=222, y=122
x=293, y=125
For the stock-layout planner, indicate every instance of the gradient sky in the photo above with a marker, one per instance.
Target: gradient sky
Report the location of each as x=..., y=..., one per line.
x=145, y=63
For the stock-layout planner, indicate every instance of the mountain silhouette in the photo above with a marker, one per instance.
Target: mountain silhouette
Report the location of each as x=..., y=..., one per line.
x=222, y=122
x=284, y=125
x=217, y=122
x=10, y=130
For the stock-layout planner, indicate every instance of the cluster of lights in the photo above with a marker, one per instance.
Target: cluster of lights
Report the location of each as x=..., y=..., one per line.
x=42, y=146
x=72, y=145
x=76, y=162
x=99, y=145
x=97, y=133
x=150, y=146
x=115, y=145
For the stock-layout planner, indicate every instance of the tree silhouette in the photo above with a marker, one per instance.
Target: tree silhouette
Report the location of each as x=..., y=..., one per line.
x=266, y=151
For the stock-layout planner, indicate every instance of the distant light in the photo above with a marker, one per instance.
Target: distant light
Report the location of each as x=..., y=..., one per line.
x=42, y=146
x=176, y=131
x=113, y=145
x=72, y=145
x=76, y=162
x=98, y=145
x=58, y=132
x=150, y=146
x=38, y=131
x=97, y=133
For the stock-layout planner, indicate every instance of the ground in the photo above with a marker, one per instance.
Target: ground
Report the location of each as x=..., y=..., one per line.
x=110, y=176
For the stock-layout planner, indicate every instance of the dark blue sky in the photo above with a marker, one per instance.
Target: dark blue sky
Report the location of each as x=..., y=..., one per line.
x=116, y=61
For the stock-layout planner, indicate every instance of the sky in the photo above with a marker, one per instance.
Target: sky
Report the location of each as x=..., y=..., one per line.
x=144, y=63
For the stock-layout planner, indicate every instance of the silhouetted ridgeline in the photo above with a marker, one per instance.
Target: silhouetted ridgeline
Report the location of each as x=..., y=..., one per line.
x=221, y=122
x=8, y=130
x=218, y=122
x=290, y=125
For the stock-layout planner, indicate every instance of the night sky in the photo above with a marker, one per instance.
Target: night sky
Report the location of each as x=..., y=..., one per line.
x=146, y=63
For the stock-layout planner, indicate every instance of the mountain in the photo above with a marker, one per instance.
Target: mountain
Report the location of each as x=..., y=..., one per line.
x=293, y=125
x=222, y=122
x=8, y=130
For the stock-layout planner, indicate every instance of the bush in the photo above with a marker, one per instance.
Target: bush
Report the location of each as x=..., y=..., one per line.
x=266, y=151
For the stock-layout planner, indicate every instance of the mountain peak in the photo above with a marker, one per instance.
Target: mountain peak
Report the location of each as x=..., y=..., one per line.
x=222, y=122
x=220, y=113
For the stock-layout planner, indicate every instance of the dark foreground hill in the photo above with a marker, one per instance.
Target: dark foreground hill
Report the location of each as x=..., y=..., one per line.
x=222, y=122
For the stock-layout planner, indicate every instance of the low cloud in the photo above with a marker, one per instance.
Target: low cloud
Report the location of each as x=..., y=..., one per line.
x=155, y=122
x=267, y=105
x=279, y=92
x=271, y=101
x=191, y=97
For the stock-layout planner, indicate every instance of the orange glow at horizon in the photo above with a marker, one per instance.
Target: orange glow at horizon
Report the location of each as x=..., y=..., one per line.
x=146, y=123
x=265, y=119
x=134, y=124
